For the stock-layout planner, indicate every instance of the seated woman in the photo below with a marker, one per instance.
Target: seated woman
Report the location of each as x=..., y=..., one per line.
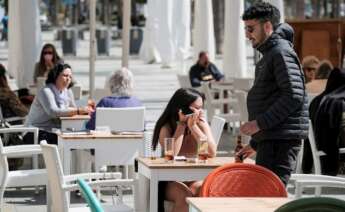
x=323, y=71
x=53, y=101
x=186, y=130
x=121, y=87
x=48, y=59
x=9, y=102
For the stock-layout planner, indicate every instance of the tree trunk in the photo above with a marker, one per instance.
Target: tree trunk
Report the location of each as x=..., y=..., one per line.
x=218, y=19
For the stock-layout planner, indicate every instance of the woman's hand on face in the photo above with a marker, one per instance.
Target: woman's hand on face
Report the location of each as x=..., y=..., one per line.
x=182, y=118
x=194, y=118
x=202, y=116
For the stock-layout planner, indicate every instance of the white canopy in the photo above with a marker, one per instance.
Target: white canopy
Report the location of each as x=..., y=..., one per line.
x=24, y=39
x=203, y=35
x=234, y=58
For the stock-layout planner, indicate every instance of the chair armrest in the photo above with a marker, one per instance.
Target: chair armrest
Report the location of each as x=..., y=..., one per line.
x=101, y=183
x=319, y=183
x=22, y=150
x=19, y=129
x=96, y=175
x=312, y=177
x=16, y=118
x=33, y=130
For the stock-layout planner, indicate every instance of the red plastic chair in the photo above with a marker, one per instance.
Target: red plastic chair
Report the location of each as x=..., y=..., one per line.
x=242, y=180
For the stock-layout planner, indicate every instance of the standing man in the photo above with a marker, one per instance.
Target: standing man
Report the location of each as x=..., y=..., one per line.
x=277, y=102
x=204, y=70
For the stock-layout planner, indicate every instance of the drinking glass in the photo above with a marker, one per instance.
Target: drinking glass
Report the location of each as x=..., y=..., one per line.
x=169, y=149
x=202, y=150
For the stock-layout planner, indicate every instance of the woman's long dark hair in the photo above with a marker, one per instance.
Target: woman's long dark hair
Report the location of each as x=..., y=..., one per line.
x=56, y=57
x=3, y=79
x=182, y=98
x=55, y=72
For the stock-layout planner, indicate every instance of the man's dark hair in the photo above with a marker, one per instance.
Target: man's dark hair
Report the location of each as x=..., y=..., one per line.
x=263, y=12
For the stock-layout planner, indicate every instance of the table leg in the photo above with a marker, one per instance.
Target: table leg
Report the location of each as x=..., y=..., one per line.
x=66, y=159
x=142, y=194
x=153, y=193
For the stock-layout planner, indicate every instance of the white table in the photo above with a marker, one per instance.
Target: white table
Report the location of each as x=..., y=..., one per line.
x=243, y=204
x=76, y=122
x=158, y=170
x=110, y=149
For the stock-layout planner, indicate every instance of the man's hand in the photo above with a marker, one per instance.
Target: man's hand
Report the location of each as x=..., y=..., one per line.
x=245, y=152
x=250, y=128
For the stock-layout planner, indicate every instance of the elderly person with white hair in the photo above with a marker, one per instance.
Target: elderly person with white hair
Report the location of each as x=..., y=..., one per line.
x=121, y=87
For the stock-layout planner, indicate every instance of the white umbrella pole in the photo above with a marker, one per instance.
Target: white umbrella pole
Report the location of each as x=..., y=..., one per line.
x=126, y=24
x=92, y=47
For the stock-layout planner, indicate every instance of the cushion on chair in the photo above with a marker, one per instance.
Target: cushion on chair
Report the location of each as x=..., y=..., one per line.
x=242, y=180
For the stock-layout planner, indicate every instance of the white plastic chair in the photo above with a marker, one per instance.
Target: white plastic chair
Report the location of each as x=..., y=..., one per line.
x=19, y=178
x=184, y=81
x=76, y=89
x=121, y=119
x=217, y=126
x=41, y=82
x=7, y=121
x=148, y=151
x=309, y=180
x=62, y=184
x=99, y=93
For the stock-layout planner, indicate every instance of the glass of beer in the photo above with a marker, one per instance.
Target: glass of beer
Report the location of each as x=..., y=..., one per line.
x=202, y=150
x=169, y=149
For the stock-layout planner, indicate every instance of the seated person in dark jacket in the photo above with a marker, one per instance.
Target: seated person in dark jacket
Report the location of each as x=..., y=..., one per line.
x=326, y=115
x=204, y=70
x=121, y=87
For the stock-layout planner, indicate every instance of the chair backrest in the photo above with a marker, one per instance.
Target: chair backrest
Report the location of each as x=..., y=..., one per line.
x=217, y=126
x=324, y=204
x=77, y=92
x=315, y=153
x=41, y=81
x=242, y=180
x=184, y=81
x=89, y=196
x=55, y=176
x=121, y=119
x=99, y=93
x=148, y=151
